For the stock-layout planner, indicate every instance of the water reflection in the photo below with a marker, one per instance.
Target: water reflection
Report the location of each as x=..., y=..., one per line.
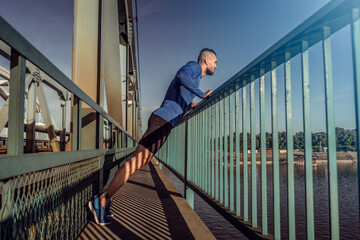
x=348, y=199
x=348, y=202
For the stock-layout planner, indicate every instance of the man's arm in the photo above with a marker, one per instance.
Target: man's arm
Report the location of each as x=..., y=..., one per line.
x=193, y=105
x=185, y=77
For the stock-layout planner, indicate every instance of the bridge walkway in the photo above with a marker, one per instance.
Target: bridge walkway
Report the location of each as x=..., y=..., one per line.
x=148, y=206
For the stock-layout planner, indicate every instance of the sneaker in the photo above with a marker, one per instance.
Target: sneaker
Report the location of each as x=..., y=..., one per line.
x=109, y=213
x=99, y=212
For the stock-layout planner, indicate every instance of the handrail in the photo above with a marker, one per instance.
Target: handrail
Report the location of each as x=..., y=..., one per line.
x=336, y=14
x=16, y=41
x=212, y=131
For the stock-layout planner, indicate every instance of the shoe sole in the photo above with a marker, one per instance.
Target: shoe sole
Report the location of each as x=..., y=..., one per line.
x=95, y=215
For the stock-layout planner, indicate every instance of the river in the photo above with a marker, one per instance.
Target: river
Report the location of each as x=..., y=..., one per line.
x=348, y=202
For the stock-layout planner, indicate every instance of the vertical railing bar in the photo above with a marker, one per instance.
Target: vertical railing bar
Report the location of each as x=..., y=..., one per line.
x=221, y=158
x=275, y=147
x=217, y=150
x=208, y=159
x=212, y=151
x=331, y=136
x=199, y=148
x=198, y=151
x=196, y=144
x=289, y=147
x=31, y=119
x=192, y=150
x=200, y=123
x=264, y=217
x=232, y=129
x=237, y=151
x=16, y=104
x=186, y=155
x=355, y=40
x=253, y=154
x=76, y=124
x=308, y=142
x=205, y=151
x=202, y=147
x=245, y=154
x=226, y=152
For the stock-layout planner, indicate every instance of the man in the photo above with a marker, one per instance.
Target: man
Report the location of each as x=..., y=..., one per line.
x=178, y=100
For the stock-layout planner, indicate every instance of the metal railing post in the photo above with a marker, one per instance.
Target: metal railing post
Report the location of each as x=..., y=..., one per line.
x=355, y=37
x=188, y=193
x=331, y=136
x=308, y=142
x=16, y=104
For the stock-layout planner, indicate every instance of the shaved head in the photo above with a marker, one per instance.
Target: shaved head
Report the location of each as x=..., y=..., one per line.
x=207, y=60
x=206, y=53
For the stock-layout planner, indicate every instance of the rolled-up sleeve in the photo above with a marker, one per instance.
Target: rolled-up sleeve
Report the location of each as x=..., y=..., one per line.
x=185, y=76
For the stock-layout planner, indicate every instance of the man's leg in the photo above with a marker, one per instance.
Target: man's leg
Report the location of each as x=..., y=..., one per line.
x=140, y=157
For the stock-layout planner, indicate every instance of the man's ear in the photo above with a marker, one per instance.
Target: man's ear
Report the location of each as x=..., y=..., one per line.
x=206, y=61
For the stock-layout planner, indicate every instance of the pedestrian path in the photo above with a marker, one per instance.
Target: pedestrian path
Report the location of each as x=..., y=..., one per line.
x=148, y=206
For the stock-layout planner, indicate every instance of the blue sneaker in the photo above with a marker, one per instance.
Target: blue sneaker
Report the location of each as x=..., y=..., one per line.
x=99, y=212
x=109, y=213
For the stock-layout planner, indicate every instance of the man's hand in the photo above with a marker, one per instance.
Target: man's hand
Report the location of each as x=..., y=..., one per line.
x=192, y=106
x=207, y=93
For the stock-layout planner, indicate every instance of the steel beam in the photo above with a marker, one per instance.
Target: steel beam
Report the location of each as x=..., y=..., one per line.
x=308, y=142
x=331, y=136
x=289, y=148
x=47, y=118
x=16, y=104
x=31, y=118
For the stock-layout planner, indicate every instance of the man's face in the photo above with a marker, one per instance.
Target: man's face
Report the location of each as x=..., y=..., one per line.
x=211, y=65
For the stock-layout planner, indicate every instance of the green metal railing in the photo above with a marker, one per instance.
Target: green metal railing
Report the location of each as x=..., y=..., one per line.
x=206, y=134
x=45, y=196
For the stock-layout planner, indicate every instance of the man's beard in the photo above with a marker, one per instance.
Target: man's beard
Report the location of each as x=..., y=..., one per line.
x=209, y=72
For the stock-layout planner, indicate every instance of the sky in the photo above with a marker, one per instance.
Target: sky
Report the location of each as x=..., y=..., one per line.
x=172, y=32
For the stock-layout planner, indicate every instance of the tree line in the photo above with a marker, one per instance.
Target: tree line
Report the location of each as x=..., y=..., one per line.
x=345, y=140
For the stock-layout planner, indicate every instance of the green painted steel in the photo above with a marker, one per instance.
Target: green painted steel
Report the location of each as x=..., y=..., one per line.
x=13, y=166
x=193, y=150
x=201, y=152
x=275, y=153
x=209, y=137
x=203, y=155
x=16, y=104
x=221, y=158
x=245, y=154
x=231, y=149
x=190, y=197
x=264, y=217
x=217, y=150
x=199, y=149
x=212, y=139
x=289, y=148
x=17, y=42
x=355, y=40
x=220, y=121
x=331, y=136
x=208, y=142
x=253, y=154
x=237, y=152
x=226, y=152
x=308, y=142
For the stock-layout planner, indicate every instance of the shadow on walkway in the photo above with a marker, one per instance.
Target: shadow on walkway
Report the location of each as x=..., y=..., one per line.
x=148, y=206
